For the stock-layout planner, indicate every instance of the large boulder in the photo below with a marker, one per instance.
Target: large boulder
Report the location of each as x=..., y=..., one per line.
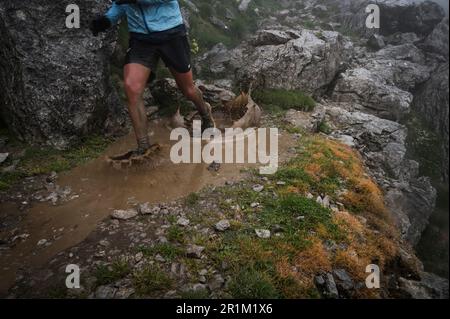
x=437, y=41
x=55, y=81
x=432, y=103
x=395, y=16
x=288, y=59
x=382, y=82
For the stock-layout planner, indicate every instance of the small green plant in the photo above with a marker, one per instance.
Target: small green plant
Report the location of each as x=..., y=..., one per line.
x=175, y=233
x=108, y=274
x=151, y=280
x=285, y=99
x=324, y=127
x=192, y=199
x=252, y=284
x=166, y=250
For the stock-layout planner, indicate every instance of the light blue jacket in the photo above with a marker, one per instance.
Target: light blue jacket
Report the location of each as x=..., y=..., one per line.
x=147, y=16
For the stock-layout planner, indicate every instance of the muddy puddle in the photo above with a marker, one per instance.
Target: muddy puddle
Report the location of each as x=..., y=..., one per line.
x=101, y=189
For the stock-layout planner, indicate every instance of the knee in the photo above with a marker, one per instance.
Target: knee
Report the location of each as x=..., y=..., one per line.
x=191, y=93
x=133, y=88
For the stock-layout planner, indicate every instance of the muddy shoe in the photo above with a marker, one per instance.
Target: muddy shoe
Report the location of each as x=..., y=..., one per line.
x=208, y=120
x=132, y=157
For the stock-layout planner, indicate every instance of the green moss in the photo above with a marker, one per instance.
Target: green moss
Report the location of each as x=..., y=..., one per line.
x=285, y=99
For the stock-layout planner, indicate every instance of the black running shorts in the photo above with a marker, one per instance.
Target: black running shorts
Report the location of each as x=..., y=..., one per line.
x=175, y=52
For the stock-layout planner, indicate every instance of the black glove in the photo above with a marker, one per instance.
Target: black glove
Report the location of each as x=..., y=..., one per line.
x=100, y=24
x=119, y=2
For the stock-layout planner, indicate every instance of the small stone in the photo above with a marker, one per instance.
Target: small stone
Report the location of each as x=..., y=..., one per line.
x=281, y=183
x=3, y=157
x=223, y=225
x=138, y=257
x=145, y=209
x=258, y=188
x=262, y=233
x=42, y=242
x=254, y=205
x=159, y=258
x=326, y=201
x=104, y=243
x=124, y=293
x=124, y=214
x=203, y=272
x=183, y=221
x=194, y=251
x=309, y=196
x=202, y=279
x=105, y=292
x=217, y=282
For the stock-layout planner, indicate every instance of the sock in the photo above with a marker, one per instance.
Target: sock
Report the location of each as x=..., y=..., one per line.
x=143, y=144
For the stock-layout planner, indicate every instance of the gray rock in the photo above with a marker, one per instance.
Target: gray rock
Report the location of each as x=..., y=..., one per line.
x=309, y=61
x=437, y=41
x=263, y=233
x=3, y=157
x=146, y=209
x=56, y=85
x=344, y=281
x=183, y=221
x=410, y=198
x=222, y=225
x=121, y=214
x=194, y=251
x=376, y=42
x=326, y=285
x=258, y=188
x=432, y=102
x=105, y=292
x=429, y=287
x=216, y=282
x=396, y=16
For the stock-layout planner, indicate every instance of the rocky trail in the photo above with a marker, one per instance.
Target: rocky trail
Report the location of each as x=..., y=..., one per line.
x=363, y=123
x=90, y=193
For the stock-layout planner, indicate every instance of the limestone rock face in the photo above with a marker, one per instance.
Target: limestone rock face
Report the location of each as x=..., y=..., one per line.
x=432, y=103
x=410, y=197
x=55, y=81
x=289, y=59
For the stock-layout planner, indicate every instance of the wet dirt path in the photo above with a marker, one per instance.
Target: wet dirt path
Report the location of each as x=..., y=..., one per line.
x=102, y=189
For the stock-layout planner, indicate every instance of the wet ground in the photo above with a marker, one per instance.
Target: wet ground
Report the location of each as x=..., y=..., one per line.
x=99, y=190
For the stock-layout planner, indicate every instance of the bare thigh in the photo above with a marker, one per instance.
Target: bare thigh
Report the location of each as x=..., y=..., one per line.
x=135, y=79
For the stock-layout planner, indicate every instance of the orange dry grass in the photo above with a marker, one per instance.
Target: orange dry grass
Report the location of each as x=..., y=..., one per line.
x=311, y=261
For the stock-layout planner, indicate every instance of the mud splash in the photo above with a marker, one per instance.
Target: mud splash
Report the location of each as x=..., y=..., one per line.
x=102, y=189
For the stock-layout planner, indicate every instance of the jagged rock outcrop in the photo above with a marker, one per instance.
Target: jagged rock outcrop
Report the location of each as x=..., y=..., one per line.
x=381, y=83
x=288, y=59
x=55, y=81
x=432, y=103
x=437, y=41
x=410, y=197
x=395, y=16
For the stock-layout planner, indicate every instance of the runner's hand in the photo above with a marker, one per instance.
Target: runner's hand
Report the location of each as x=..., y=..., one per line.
x=100, y=24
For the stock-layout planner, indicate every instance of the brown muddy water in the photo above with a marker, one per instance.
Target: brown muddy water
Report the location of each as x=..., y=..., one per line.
x=102, y=189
